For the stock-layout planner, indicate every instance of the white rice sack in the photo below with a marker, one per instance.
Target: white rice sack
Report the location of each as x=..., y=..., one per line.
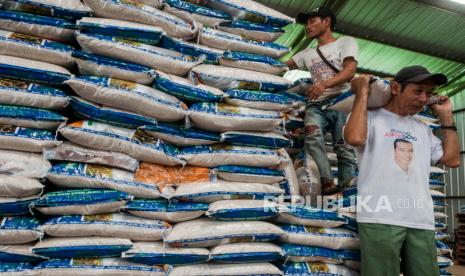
x=162, y=209
x=437, y=194
x=205, y=53
x=125, y=30
x=249, y=174
x=14, y=92
x=35, y=48
x=72, y=152
x=158, y=4
x=64, y=248
x=251, y=11
x=443, y=249
x=95, y=266
x=300, y=253
x=101, y=66
x=30, y=117
x=156, y=253
x=333, y=238
x=34, y=71
x=253, y=62
x=154, y=57
x=19, y=186
x=283, y=101
x=214, y=191
x=308, y=216
x=37, y=25
x=300, y=268
x=250, y=30
x=440, y=236
x=191, y=12
x=26, y=139
x=131, y=142
x=308, y=175
x=220, y=117
x=25, y=164
x=247, y=252
x=225, y=78
x=426, y=118
x=222, y=154
x=287, y=167
x=301, y=86
x=437, y=170
x=81, y=175
x=232, y=42
x=207, y=233
x=440, y=215
x=242, y=209
x=81, y=202
x=69, y=9
x=137, y=12
x=181, y=136
x=129, y=96
x=444, y=262
x=18, y=254
x=19, y=230
x=226, y=270
x=106, y=225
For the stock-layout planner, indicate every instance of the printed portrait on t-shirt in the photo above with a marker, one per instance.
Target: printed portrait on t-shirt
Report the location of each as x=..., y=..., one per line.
x=403, y=153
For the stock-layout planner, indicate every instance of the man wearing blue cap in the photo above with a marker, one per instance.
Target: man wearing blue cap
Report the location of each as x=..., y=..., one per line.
x=331, y=65
x=394, y=153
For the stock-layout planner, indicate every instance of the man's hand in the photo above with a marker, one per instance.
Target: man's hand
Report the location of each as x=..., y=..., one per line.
x=361, y=84
x=316, y=91
x=444, y=110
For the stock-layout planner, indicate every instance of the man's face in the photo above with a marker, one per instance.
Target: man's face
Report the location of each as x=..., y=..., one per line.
x=415, y=96
x=403, y=154
x=316, y=26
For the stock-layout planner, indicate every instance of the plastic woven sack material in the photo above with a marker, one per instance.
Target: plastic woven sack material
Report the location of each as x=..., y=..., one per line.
x=71, y=152
x=253, y=62
x=186, y=89
x=18, y=254
x=37, y=25
x=101, y=66
x=283, y=102
x=444, y=262
x=168, y=175
x=440, y=215
x=19, y=186
x=249, y=174
x=270, y=140
x=232, y=42
x=308, y=216
x=209, y=192
x=156, y=253
x=30, y=117
x=137, y=12
x=131, y=142
x=16, y=163
x=191, y=12
x=162, y=209
x=81, y=175
x=308, y=175
x=81, y=202
x=35, y=48
x=225, y=78
x=125, y=30
x=26, y=139
x=437, y=194
x=207, y=233
x=333, y=238
x=70, y=10
x=19, y=230
x=443, y=248
x=106, y=225
x=292, y=186
x=14, y=92
x=129, y=96
x=97, y=266
x=251, y=30
x=33, y=71
x=207, y=54
x=242, y=210
x=181, y=136
x=298, y=269
x=158, y=4
x=300, y=253
x=301, y=86
x=247, y=252
x=169, y=61
x=440, y=236
x=265, y=269
x=16, y=268
x=16, y=206
x=64, y=248
x=222, y=154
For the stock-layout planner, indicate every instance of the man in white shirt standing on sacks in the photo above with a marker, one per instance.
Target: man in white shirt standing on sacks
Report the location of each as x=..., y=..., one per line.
x=394, y=154
x=331, y=65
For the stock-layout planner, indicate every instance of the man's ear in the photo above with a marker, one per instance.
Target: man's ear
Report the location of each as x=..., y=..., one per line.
x=395, y=88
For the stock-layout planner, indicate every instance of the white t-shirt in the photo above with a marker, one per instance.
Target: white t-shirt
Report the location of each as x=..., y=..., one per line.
x=335, y=52
x=393, y=181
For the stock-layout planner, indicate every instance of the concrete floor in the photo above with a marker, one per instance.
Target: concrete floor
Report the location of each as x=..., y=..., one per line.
x=457, y=270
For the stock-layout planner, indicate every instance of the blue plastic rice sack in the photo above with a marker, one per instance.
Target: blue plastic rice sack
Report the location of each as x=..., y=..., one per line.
x=26, y=139
x=246, y=252
x=121, y=29
x=443, y=249
x=163, y=209
x=186, y=89
x=18, y=254
x=436, y=184
x=309, y=216
x=208, y=54
x=251, y=30
x=301, y=86
x=313, y=254
x=97, y=266
x=437, y=195
x=64, y=248
x=33, y=71
x=253, y=62
x=444, y=272
x=241, y=210
x=191, y=12
x=444, y=262
x=249, y=174
x=15, y=92
x=293, y=123
x=70, y=10
x=440, y=226
x=440, y=236
x=264, y=101
x=19, y=230
x=116, y=225
x=35, y=48
x=316, y=269
x=99, y=113
x=16, y=268
x=232, y=42
x=245, y=269
x=16, y=206
x=225, y=78
x=96, y=65
x=156, y=253
x=352, y=259
x=181, y=136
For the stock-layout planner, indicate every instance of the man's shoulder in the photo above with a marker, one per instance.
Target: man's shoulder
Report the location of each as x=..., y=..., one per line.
x=347, y=39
